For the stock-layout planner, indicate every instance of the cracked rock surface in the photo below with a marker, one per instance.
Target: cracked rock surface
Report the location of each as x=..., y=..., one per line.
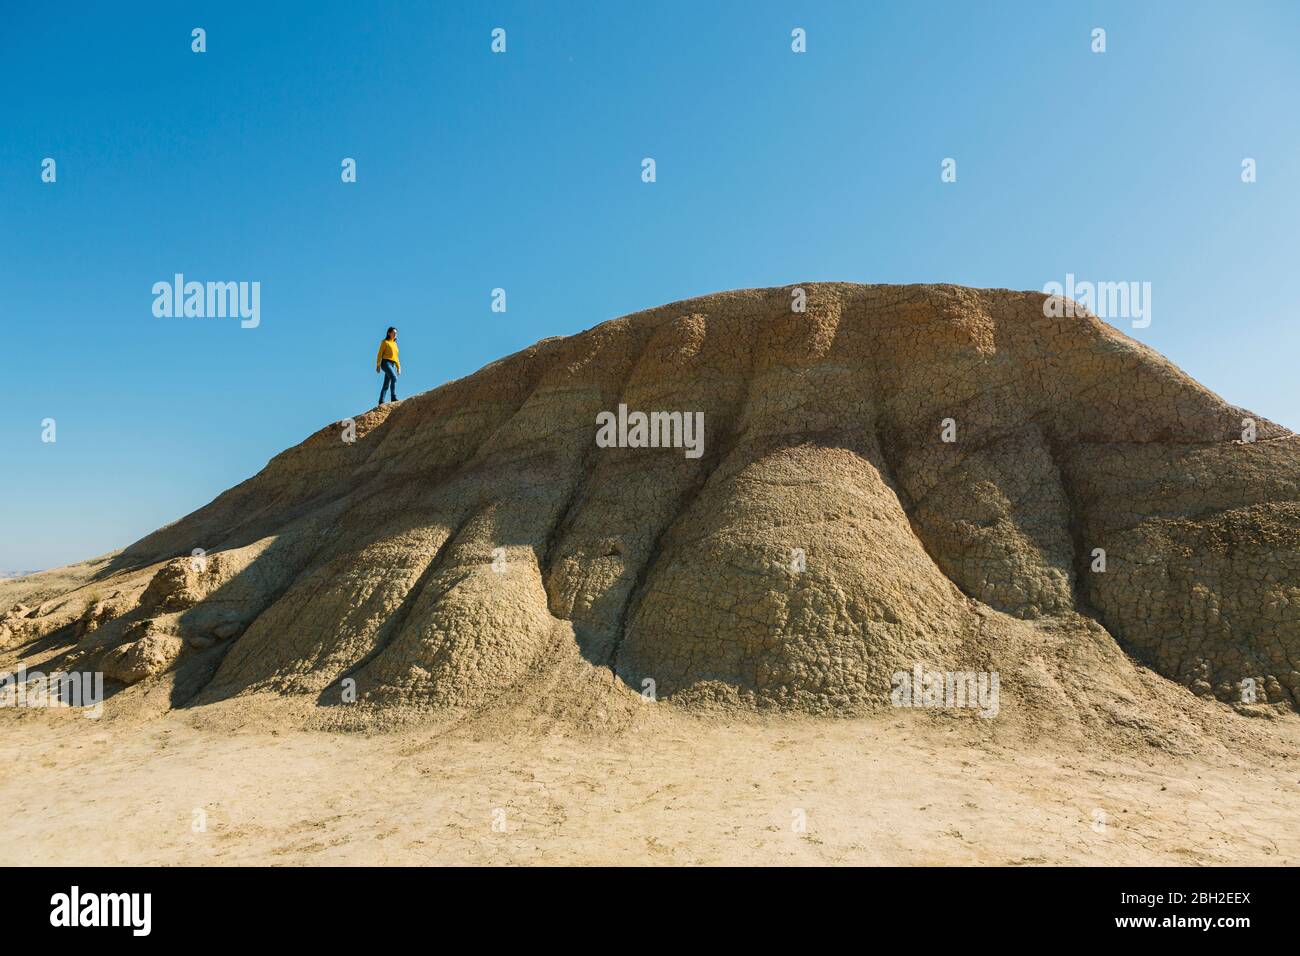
x=1096, y=513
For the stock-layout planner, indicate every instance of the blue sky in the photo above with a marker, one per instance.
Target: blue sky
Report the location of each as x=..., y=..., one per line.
x=522, y=171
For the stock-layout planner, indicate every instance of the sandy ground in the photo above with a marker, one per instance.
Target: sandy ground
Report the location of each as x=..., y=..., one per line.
x=677, y=789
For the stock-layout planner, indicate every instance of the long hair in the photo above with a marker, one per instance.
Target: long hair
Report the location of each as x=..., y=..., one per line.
x=391, y=330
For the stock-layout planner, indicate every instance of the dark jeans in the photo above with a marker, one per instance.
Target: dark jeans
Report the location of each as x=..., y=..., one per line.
x=390, y=380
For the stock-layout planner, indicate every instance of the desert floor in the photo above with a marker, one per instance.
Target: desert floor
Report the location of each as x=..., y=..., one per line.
x=204, y=787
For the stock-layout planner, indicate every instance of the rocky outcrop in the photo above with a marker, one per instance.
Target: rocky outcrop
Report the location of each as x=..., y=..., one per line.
x=13, y=625
x=136, y=660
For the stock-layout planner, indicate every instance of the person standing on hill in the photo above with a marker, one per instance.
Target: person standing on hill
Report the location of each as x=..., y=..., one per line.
x=388, y=363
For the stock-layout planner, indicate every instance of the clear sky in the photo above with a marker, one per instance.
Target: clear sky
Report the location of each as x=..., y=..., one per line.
x=522, y=171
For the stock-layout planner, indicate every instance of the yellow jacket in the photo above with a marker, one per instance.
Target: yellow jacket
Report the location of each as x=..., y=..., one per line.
x=388, y=350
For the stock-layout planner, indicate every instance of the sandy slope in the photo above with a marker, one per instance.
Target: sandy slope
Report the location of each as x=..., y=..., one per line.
x=670, y=789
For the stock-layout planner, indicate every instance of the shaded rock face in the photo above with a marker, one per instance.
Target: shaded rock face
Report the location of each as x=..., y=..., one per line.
x=1092, y=500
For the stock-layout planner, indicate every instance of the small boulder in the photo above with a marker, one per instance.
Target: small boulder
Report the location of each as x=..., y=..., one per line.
x=96, y=616
x=136, y=660
x=180, y=584
x=227, y=630
x=13, y=625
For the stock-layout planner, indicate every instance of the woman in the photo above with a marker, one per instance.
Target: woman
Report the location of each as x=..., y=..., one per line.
x=388, y=362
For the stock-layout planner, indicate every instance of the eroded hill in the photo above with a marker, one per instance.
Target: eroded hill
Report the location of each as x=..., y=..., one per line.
x=474, y=545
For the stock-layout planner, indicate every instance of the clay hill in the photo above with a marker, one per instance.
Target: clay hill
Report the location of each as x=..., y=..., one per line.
x=473, y=545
